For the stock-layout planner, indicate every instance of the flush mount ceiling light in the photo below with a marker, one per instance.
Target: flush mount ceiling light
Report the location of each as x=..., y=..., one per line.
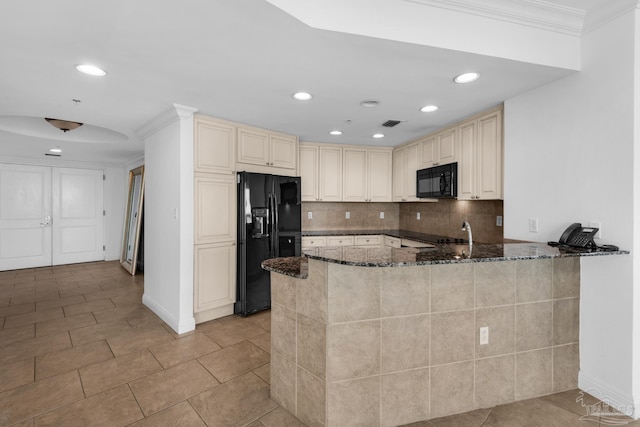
x=91, y=70
x=429, y=108
x=467, y=77
x=369, y=103
x=302, y=96
x=63, y=125
x=378, y=135
x=55, y=150
x=336, y=132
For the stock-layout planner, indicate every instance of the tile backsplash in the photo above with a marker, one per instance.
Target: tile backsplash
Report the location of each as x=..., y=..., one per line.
x=443, y=218
x=362, y=216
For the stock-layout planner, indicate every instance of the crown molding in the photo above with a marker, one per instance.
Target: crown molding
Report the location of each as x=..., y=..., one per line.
x=169, y=116
x=609, y=12
x=538, y=14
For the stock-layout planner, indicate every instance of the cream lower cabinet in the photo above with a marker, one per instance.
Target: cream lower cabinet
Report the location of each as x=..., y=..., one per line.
x=214, y=280
x=480, y=165
x=215, y=246
x=366, y=175
x=321, y=172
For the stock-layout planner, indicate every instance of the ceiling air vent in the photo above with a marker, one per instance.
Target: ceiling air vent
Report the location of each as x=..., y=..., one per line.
x=391, y=123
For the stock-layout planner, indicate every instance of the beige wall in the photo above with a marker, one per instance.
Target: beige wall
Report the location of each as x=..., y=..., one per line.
x=442, y=218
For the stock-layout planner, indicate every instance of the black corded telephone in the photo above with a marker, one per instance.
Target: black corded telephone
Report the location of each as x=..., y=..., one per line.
x=579, y=236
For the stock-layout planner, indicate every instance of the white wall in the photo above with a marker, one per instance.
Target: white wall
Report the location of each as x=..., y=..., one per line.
x=569, y=157
x=168, y=289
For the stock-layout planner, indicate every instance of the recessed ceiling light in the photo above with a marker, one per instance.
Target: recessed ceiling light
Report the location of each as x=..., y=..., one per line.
x=91, y=70
x=378, y=135
x=302, y=96
x=336, y=132
x=467, y=77
x=429, y=108
x=369, y=103
x=55, y=150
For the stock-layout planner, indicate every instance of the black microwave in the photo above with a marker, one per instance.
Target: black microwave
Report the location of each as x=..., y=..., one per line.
x=438, y=182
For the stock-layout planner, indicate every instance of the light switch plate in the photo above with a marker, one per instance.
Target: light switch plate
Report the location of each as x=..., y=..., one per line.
x=347, y=215
x=309, y=215
x=418, y=216
x=381, y=215
x=499, y=221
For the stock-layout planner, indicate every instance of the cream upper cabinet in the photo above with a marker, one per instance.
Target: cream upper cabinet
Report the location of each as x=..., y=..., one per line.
x=405, y=165
x=399, y=174
x=354, y=175
x=380, y=175
x=480, y=162
x=366, y=175
x=308, y=161
x=265, y=148
x=439, y=149
x=330, y=176
x=215, y=146
x=321, y=172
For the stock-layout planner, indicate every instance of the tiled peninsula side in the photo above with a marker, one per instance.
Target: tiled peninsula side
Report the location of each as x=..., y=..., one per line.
x=387, y=346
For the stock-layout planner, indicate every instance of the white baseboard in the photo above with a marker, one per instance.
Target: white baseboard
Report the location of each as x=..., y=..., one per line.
x=181, y=326
x=615, y=398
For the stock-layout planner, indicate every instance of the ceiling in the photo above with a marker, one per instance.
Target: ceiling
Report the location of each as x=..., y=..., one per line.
x=241, y=60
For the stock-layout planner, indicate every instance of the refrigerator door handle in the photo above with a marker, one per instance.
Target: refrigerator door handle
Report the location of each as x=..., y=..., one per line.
x=271, y=226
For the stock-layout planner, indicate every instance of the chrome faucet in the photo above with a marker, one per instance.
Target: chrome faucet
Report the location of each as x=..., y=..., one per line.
x=467, y=227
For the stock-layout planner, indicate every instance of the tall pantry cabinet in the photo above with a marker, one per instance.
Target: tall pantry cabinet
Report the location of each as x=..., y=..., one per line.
x=215, y=219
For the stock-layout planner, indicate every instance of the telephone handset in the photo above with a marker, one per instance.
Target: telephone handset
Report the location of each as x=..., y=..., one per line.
x=579, y=236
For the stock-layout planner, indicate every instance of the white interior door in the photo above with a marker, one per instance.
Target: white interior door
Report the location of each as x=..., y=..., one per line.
x=25, y=216
x=77, y=215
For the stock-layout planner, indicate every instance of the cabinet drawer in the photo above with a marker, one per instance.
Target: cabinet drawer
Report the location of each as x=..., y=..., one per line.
x=309, y=242
x=368, y=240
x=339, y=240
x=392, y=242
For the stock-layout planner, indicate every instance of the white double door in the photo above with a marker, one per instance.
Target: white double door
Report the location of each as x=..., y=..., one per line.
x=50, y=216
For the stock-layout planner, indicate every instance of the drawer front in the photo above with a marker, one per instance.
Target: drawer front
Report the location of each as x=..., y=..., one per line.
x=392, y=242
x=309, y=242
x=339, y=240
x=368, y=240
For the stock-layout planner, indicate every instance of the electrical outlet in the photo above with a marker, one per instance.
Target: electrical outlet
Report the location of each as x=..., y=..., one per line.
x=309, y=215
x=533, y=225
x=381, y=215
x=347, y=215
x=499, y=221
x=484, y=335
x=598, y=225
x=418, y=216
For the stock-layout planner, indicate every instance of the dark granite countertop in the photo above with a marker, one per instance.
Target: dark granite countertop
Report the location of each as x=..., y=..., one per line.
x=442, y=254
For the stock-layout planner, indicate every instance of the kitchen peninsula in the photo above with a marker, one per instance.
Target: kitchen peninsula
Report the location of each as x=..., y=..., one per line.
x=389, y=336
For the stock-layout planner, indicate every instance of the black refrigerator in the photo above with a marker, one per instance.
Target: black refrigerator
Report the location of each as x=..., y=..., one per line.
x=268, y=227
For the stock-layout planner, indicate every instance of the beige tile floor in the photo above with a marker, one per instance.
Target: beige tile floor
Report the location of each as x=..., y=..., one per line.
x=77, y=348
